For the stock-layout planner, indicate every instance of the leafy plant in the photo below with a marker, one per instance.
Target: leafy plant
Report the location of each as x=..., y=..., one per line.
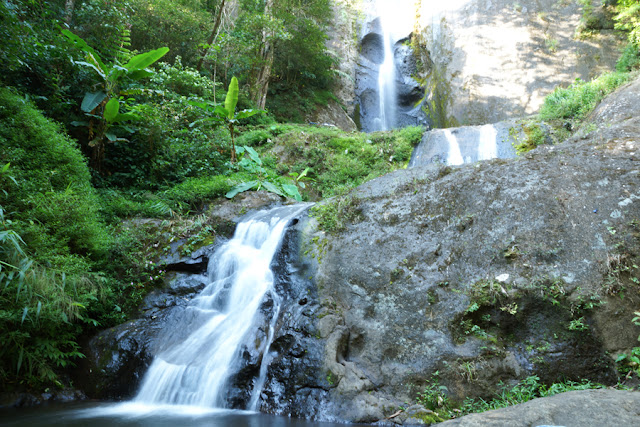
x=252, y=164
x=227, y=113
x=631, y=362
x=104, y=104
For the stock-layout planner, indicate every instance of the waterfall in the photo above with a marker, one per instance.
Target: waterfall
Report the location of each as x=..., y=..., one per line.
x=219, y=322
x=387, y=72
x=454, y=156
x=487, y=144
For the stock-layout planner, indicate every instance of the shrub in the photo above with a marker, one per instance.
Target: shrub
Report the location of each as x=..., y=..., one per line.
x=629, y=60
x=579, y=99
x=56, y=211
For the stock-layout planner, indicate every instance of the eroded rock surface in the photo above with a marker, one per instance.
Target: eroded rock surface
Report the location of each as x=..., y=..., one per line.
x=572, y=409
x=488, y=272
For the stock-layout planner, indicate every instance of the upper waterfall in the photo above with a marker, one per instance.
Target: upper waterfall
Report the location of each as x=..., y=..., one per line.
x=387, y=92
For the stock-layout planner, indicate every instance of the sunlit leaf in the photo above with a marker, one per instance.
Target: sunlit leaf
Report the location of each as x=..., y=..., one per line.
x=143, y=60
x=111, y=110
x=231, y=99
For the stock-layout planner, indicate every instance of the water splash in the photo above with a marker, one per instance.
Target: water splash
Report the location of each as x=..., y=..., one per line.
x=218, y=323
x=487, y=143
x=454, y=156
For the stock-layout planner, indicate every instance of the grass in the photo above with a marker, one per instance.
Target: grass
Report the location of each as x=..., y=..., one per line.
x=435, y=398
x=579, y=99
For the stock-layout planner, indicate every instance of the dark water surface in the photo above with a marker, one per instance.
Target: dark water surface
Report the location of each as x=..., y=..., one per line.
x=127, y=414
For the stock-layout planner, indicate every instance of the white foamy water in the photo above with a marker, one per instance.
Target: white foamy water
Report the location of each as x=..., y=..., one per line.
x=219, y=321
x=454, y=156
x=487, y=143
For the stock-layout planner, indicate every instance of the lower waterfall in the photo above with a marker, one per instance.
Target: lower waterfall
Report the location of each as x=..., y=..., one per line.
x=196, y=368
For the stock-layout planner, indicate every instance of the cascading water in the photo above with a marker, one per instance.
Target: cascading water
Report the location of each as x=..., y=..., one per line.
x=387, y=72
x=454, y=156
x=487, y=144
x=387, y=93
x=218, y=322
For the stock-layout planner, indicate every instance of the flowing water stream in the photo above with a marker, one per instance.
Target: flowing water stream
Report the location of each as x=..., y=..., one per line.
x=187, y=383
x=218, y=322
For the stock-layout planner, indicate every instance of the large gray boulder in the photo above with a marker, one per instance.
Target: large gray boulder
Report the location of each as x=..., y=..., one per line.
x=487, y=272
x=573, y=409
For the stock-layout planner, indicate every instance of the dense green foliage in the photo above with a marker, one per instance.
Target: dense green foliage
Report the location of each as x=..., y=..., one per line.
x=579, y=99
x=51, y=234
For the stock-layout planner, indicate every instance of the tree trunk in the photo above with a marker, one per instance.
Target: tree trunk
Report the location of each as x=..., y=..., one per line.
x=68, y=11
x=213, y=35
x=263, y=74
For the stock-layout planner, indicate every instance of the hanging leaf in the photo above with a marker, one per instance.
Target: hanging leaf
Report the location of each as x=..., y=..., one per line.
x=111, y=137
x=20, y=360
x=253, y=154
x=248, y=113
x=245, y=186
x=272, y=188
x=92, y=100
x=111, y=110
x=231, y=99
x=92, y=56
x=24, y=314
x=292, y=191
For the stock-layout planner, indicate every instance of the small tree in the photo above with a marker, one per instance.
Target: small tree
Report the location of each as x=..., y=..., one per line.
x=226, y=114
x=103, y=105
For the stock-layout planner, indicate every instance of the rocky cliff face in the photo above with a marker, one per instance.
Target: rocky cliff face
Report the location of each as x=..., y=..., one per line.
x=473, y=61
x=488, y=60
x=487, y=272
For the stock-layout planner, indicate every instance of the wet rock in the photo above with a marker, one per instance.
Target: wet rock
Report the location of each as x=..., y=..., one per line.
x=575, y=408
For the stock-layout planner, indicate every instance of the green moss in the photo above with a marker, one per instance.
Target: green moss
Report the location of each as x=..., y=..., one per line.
x=334, y=215
x=339, y=161
x=534, y=136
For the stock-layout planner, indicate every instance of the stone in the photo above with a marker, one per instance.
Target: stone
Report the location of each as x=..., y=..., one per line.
x=574, y=408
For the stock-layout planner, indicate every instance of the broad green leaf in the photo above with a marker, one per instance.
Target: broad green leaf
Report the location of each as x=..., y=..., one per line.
x=127, y=117
x=231, y=100
x=111, y=137
x=79, y=123
x=111, y=110
x=272, y=188
x=140, y=74
x=247, y=113
x=6, y=167
x=92, y=100
x=240, y=188
x=303, y=174
x=253, y=154
x=143, y=60
x=292, y=190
